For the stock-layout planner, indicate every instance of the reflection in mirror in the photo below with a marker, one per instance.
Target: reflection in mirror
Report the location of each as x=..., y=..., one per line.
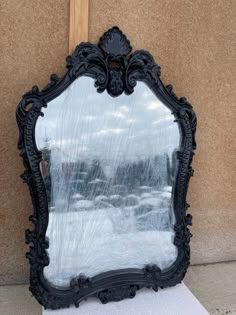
x=109, y=168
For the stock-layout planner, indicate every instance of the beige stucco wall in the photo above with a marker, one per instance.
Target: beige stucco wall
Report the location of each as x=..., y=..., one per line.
x=192, y=40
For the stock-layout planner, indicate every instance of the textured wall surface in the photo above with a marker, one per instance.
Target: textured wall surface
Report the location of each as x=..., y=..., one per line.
x=193, y=41
x=34, y=44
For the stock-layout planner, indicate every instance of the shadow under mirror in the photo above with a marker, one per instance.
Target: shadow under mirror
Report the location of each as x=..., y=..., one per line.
x=109, y=167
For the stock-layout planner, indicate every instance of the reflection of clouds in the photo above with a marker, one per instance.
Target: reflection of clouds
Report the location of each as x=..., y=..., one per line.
x=89, y=118
x=124, y=109
x=164, y=122
x=89, y=124
x=118, y=115
x=153, y=105
x=109, y=131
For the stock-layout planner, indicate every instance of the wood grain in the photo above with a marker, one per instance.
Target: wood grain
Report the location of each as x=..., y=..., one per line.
x=78, y=31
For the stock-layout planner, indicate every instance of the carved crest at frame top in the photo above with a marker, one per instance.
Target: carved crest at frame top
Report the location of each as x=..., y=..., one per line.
x=116, y=69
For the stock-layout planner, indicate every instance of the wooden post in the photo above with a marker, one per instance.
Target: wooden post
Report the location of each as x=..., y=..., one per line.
x=78, y=31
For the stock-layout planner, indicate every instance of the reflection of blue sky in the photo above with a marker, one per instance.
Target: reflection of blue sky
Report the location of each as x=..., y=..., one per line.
x=83, y=124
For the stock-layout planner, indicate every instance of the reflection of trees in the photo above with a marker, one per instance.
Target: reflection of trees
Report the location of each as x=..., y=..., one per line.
x=169, y=170
x=174, y=165
x=89, y=179
x=46, y=165
x=154, y=172
x=83, y=177
x=135, y=174
x=95, y=171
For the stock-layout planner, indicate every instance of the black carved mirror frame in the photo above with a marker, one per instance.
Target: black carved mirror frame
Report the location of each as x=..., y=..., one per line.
x=115, y=70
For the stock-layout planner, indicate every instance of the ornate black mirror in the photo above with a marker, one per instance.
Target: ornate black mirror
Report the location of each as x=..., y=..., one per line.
x=107, y=151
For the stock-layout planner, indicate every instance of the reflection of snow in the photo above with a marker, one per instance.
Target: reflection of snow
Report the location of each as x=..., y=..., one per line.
x=96, y=180
x=154, y=202
x=110, y=232
x=101, y=198
x=89, y=246
x=83, y=205
x=146, y=195
x=167, y=188
x=77, y=197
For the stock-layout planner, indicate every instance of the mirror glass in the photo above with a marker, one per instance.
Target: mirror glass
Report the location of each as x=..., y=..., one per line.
x=109, y=168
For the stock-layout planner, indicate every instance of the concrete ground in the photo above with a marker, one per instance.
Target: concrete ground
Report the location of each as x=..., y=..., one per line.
x=214, y=286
